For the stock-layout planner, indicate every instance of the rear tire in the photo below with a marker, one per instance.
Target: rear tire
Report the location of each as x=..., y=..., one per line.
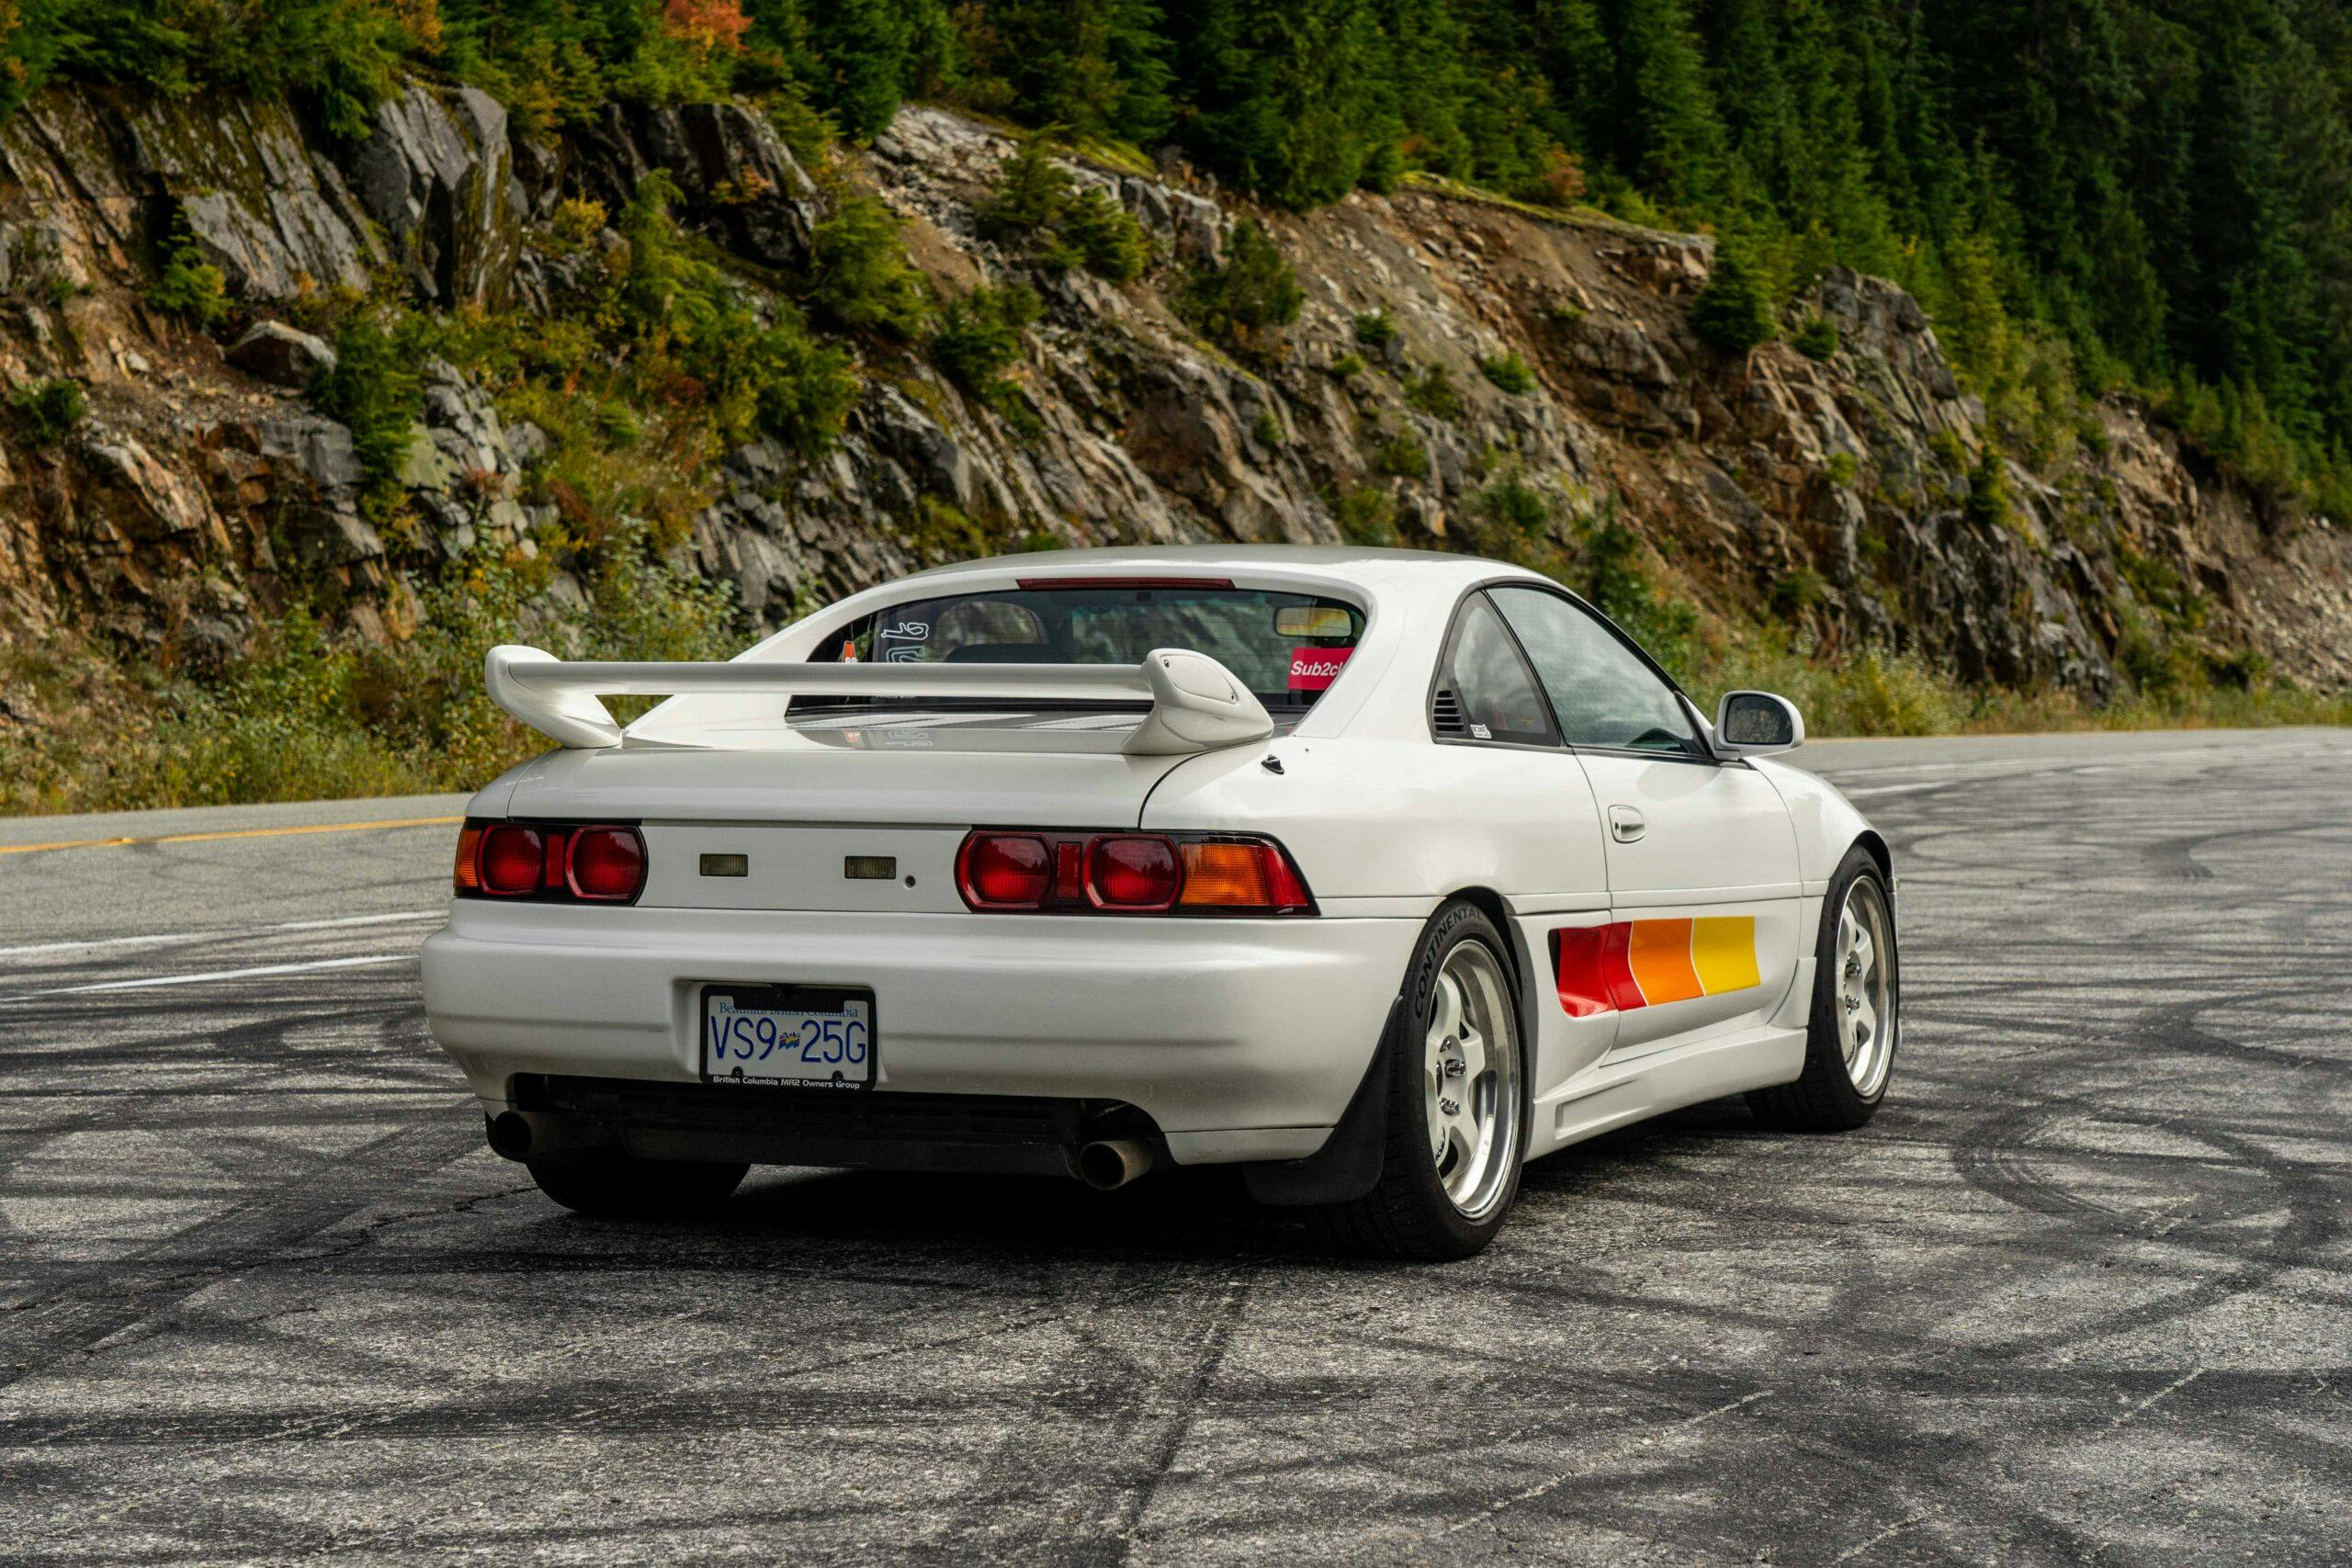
x=1456, y=1101
x=614, y=1184
x=1857, y=1000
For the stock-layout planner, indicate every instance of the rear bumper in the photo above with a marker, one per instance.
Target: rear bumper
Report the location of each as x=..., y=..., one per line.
x=1241, y=1040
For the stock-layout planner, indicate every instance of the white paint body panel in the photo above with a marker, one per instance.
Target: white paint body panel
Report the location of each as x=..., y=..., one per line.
x=1244, y=1039
x=1246, y=1036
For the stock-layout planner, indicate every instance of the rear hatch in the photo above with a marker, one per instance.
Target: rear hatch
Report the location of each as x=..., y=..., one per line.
x=841, y=817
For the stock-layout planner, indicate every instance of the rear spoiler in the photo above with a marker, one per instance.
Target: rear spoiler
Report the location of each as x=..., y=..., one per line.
x=1197, y=705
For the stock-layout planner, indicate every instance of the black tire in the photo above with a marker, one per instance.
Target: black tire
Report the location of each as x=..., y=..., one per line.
x=1408, y=1214
x=1825, y=1099
x=613, y=1184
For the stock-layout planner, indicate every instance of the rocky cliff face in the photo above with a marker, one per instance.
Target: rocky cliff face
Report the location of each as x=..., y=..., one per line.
x=202, y=488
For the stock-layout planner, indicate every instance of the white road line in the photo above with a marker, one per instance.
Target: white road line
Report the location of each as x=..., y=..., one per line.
x=218, y=974
x=1897, y=789
x=162, y=938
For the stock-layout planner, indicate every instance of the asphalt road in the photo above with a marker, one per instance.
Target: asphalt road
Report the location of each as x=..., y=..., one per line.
x=2082, y=1293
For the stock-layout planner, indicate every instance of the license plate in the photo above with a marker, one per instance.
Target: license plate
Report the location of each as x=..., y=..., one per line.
x=806, y=1036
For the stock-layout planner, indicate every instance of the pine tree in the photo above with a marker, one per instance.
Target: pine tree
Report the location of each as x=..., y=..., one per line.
x=1668, y=135
x=1734, y=311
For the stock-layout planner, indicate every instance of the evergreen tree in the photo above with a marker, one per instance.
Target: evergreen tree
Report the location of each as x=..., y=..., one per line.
x=1734, y=311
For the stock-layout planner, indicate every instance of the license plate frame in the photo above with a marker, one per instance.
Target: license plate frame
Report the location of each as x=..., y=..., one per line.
x=768, y=998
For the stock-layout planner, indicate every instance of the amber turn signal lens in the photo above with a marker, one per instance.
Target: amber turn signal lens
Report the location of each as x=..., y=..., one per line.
x=1252, y=875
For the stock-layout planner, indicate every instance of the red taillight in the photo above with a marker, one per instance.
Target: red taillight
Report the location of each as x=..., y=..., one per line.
x=607, y=865
x=1005, y=871
x=550, y=863
x=1132, y=873
x=512, y=858
x=1046, y=872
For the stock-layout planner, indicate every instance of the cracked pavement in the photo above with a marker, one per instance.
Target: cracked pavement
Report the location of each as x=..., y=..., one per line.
x=2078, y=1294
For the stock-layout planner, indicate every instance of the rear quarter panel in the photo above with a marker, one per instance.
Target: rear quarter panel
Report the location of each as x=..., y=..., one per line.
x=1392, y=828
x=1389, y=829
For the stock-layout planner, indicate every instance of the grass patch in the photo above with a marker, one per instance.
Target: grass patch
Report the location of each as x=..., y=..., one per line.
x=311, y=716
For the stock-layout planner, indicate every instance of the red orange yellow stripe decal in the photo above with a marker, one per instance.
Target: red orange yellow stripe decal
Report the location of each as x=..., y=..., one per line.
x=1634, y=963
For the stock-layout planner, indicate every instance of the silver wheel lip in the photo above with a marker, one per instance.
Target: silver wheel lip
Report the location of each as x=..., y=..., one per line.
x=1870, y=988
x=1477, y=1183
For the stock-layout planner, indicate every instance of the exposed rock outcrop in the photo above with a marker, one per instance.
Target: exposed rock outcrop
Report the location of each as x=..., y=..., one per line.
x=438, y=174
x=283, y=355
x=733, y=173
x=201, y=489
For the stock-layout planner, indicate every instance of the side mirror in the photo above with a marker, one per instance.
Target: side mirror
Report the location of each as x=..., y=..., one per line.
x=1757, y=723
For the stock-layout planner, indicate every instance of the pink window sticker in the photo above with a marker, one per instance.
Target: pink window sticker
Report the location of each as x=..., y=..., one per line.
x=1312, y=668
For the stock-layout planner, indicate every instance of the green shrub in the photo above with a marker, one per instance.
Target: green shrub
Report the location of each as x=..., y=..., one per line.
x=372, y=389
x=1816, y=340
x=188, y=286
x=1031, y=191
x=1989, y=504
x=2163, y=588
x=1245, y=303
x=1037, y=203
x=1511, y=372
x=1109, y=242
x=1841, y=468
x=1374, y=330
x=798, y=390
x=310, y=716
x=978, y=335
x=1403, y=456
x=1366, y=516
x=863, y=281
x=1348, y=367
x=698, y=339
x=979, y=339
x=1433, y=392
x=1515, y=507
x=1796, y=592
x=1268, y=430
x=1734, y=311
x=46, y=412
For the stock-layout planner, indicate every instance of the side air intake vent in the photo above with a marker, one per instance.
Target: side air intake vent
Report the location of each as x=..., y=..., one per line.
x=1445, y=716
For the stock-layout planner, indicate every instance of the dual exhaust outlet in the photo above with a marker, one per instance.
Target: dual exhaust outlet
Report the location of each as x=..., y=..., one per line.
x=1105, y=1164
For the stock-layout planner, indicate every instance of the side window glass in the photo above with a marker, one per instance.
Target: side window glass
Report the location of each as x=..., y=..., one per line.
x=1484, y=675
x=1603, y=694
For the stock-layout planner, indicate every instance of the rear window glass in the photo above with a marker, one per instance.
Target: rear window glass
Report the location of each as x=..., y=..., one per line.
x=1286, y=648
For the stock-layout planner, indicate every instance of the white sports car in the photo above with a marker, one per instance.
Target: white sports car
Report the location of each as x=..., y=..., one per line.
x=1375, y=872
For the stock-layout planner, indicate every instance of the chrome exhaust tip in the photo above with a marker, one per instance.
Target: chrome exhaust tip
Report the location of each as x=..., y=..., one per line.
x=1113, y=1162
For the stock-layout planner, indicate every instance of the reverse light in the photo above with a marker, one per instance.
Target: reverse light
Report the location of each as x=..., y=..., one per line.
x=550, y=863
x=1044, y=871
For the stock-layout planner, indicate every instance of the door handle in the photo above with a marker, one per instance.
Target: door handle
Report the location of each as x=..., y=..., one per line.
x=1625, y=824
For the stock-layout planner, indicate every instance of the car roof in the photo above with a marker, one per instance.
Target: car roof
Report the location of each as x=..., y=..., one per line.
x=1418, y=570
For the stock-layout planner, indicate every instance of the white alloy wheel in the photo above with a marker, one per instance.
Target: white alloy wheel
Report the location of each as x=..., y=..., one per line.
x=1470, y=1079
x=1863, y=987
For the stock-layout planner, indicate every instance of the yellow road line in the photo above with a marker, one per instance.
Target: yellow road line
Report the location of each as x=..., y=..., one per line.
x=234, y=833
